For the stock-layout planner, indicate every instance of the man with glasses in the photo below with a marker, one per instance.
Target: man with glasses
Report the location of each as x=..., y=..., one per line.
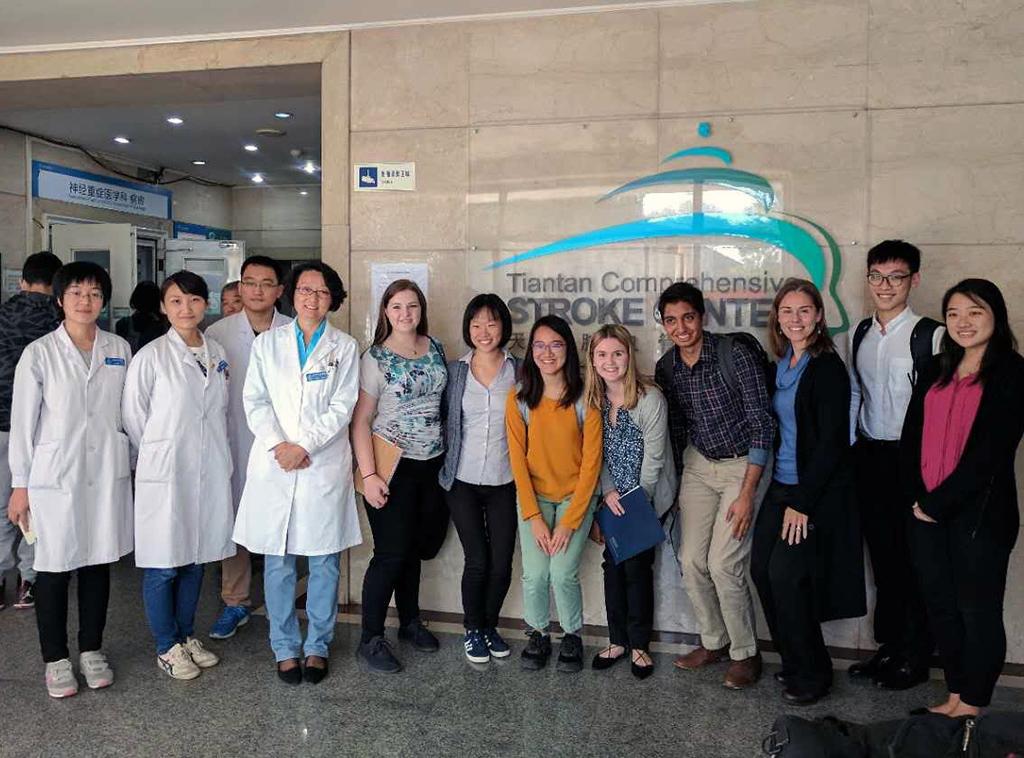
x=722, y=432
x=887, y=353
x=260, y=288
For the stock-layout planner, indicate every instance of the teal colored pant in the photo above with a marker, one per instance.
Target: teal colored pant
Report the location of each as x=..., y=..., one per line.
x=560, y=572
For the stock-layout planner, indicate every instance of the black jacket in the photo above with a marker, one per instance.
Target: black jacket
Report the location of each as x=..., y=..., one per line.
x=826, y=492
x=980, y=495
x=24, y=318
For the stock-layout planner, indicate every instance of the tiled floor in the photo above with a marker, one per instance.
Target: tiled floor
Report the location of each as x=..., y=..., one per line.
x=441, y=705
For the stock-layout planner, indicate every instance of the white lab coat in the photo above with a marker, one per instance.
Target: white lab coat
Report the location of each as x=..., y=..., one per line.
x=311, y=511
x=177, y=421
x=235, y=335
x=68, y=447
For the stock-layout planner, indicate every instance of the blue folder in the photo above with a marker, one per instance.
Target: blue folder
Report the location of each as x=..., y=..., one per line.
x=636, y=530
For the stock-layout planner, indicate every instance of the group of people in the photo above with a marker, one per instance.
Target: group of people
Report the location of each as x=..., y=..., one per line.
x=244, y=439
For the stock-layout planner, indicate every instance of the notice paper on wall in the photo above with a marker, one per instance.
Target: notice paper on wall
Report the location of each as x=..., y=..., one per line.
x=382, y=274
x=12, y=282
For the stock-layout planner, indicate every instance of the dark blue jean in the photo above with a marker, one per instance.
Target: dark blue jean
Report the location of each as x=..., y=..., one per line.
x=170, y=597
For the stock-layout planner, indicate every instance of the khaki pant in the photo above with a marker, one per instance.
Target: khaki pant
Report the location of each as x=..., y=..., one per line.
x=715, y=564
x=236, y=578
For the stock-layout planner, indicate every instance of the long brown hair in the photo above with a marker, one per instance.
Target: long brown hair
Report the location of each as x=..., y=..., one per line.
x=383, y=330
x=820, y=340
x=634, y=384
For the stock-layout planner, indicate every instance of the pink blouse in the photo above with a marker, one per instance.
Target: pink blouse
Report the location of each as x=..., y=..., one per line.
x=948, y=417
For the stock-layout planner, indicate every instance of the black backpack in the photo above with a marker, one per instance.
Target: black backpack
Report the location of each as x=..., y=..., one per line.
x=727, y=362
x=921, y=339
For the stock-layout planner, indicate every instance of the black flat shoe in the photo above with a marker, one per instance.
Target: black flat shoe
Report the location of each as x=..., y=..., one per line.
x=801, y=697
x=782, y=678
x=642, y=672
x=601, y=663
x=874, y=666
x=292, y=675
x=314, y=674
x=902, y=678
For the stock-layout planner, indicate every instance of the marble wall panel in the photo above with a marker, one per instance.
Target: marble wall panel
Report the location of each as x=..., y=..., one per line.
x=12, y=163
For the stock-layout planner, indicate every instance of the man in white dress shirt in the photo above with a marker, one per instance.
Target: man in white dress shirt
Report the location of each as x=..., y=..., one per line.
x=260, y=289
x=888, y=351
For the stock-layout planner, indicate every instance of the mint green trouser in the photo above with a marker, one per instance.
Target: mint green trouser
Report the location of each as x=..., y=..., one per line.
x=560, y=572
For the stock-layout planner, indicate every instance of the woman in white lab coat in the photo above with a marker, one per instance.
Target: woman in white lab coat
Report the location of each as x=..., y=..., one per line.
x=69, y=466
x=301, y=387
x=175, y=411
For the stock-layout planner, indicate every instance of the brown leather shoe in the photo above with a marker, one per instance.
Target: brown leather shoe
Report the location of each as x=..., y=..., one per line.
x=700, y=657
x=743, y=673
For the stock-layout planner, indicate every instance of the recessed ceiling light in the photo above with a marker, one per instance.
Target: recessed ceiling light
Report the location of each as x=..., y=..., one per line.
x=198, y=163
x=251, y=148
x=282, y=114
x=122, y=140
x=310, y=167
x=175, y=120
x=303, y=192
x=257, y=178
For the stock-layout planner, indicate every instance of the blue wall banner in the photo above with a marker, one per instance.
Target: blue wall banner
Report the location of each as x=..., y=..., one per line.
x=184, y=231
x=69, y=185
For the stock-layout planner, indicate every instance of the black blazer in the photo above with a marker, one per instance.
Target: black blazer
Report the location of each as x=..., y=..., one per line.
x=826, y=490
x=980, y=495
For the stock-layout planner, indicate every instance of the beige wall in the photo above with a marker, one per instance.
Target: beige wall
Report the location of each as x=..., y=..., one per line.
x=277, y=221
x=13, y=199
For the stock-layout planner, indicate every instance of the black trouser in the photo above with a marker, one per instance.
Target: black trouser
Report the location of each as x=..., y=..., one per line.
x=629, y=599
x=410, y=528
x=964, y=580
x=901, y=620
x=782, y=574
x=52, y=610
x=486, y=519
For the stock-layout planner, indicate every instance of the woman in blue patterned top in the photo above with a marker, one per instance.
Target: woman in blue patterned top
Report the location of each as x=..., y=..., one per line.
x=635, y=425
x=402, y=377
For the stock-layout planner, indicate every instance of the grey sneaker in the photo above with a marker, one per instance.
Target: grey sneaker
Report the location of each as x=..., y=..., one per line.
x=202, y=657
x=178, y=664
x=60, y=679
x=95, y=669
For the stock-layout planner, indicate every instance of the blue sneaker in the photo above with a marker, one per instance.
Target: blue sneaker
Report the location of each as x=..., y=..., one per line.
x=495, y=644
x=476, y=648
x=232, y=617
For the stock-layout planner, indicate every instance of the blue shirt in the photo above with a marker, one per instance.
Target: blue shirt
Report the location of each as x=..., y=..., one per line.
x=787, y=381
x=304, y=350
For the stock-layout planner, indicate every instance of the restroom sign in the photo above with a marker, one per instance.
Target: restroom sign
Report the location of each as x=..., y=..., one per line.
x=378, y=177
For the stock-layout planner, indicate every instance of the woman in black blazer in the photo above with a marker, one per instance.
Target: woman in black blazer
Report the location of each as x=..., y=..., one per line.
x=959, y=441
x=807, y=561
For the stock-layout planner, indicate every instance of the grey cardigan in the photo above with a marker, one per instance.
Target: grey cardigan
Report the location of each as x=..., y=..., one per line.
x=658, y=471
x=451, y=412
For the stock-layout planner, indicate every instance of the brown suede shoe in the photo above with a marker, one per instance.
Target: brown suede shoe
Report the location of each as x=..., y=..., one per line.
x=743, y=673
x=700, y=657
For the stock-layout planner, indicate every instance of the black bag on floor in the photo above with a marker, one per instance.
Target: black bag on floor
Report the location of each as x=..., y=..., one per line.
x=993, y=735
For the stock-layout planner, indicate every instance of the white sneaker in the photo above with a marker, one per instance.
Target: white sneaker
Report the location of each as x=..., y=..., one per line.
x=178, y=663
x=202, y=657
x=60, y=679
x=95, y=669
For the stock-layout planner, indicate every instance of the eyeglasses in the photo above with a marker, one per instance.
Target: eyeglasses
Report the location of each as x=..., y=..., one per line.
x=554, y=347
x=310, y=292
x=83, y=295
x=875, y=279
x=252, y=284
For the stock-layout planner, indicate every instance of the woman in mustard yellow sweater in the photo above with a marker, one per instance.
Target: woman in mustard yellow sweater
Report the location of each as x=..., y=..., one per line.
x=555, y=449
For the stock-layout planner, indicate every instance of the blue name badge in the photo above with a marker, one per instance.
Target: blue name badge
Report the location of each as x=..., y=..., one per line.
x=221, y=367
x=319, y=376
x=114, y=361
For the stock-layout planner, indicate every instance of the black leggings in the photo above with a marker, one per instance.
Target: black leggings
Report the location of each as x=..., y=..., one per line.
x=410, y=528
x=52, y=610
x=486, y=519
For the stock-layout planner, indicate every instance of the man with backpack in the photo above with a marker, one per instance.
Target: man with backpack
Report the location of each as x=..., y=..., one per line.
x=722, y=433
x=888, y=351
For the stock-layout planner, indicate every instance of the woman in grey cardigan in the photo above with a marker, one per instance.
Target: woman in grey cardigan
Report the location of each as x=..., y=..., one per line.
x=476, y=473
x=636, y=454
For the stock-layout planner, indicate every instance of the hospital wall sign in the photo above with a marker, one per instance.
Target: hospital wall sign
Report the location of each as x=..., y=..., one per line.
x=384, y=177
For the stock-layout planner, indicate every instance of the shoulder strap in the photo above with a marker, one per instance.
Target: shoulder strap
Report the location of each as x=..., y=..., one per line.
x=726, y=363
x=858, y=337
x=921, y=339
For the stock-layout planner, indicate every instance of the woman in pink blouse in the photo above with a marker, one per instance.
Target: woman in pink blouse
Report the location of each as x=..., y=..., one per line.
x=960, y=437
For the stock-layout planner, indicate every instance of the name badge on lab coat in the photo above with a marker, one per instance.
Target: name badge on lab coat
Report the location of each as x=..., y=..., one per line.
x=110, y=361
x=317, y=376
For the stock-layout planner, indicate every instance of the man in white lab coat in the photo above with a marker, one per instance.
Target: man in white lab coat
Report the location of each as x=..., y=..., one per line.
x=260, y=289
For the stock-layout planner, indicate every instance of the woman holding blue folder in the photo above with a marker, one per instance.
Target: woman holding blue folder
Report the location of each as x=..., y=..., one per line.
x=635, y=432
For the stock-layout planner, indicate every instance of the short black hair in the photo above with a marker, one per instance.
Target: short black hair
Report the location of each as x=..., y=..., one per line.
x=262, y=260
x=495, y=305
x=80, y=272
x=681, y=292
x=188, y=282
x=331, y=279
x=40, y=267
x=895, y=250
x=145, y=297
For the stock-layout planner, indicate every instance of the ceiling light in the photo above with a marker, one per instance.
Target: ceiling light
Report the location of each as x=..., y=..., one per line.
x=251, y=148
x=303, y=192
x=122, y=140
x=309, y=168
x=282, y=114
x=257, y=178
x=198, y=163
x=175, y=120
